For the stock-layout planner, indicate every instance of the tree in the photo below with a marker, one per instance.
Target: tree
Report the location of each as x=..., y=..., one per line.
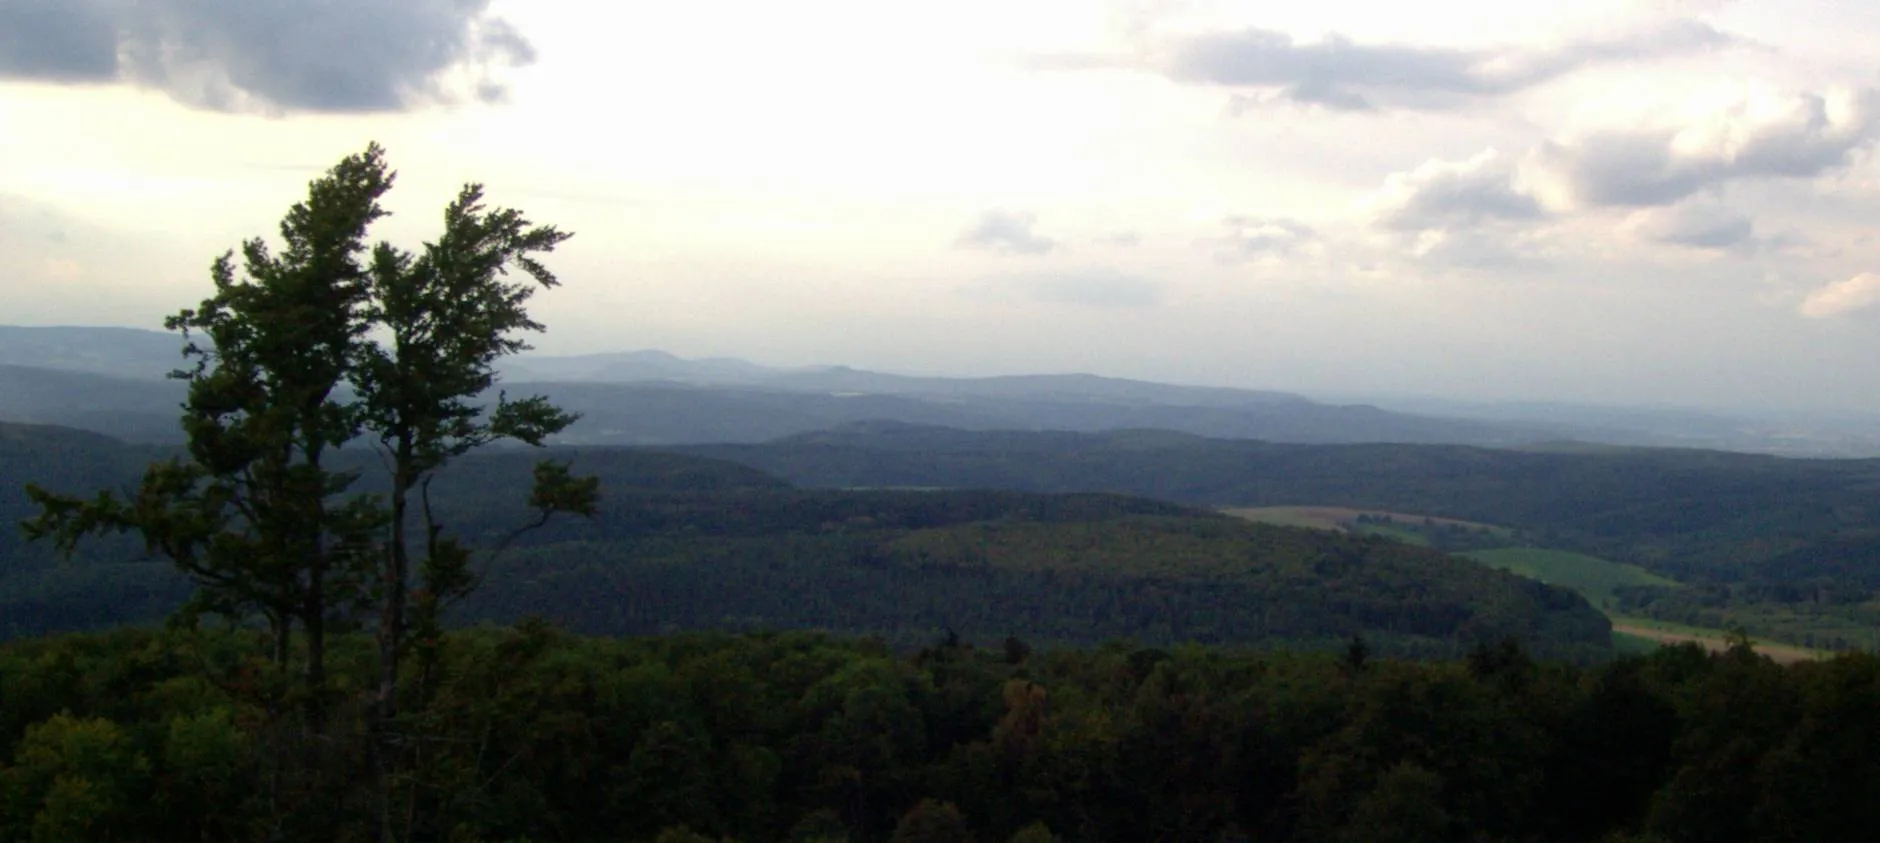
x=310, y=350
x=932, y=821
x=251, y=514
x=446, y=316
x=72, y=779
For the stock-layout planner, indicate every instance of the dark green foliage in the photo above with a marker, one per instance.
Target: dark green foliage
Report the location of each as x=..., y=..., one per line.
x=932, y=822
x=683, y=542
x=301, y=350
x=812, y=559
x=1789, y=548
x=1691, y=514
x=115, y=581
x=534, y=734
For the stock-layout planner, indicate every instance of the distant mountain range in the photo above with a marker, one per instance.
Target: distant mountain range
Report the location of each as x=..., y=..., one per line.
x=111, y=380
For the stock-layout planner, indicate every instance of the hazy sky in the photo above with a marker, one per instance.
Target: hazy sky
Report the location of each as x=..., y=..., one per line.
x=1622, y=201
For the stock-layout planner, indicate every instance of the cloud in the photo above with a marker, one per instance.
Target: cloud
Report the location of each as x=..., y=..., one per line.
x=1841, y=297
x=1093, y=288
x=1468, y=214
x=1439, y=193
x=62, y=269
x=25, y=221
x=1341, y=74
x=1466, y=248
x=1007, y=233
x=57, y=41
x=337, y=56
x=1761, y=136
x=1254, y=237
x=1700, y=225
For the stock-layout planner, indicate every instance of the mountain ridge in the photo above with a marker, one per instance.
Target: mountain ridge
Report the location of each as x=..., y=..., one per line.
x=108, y=380
x=653, y=397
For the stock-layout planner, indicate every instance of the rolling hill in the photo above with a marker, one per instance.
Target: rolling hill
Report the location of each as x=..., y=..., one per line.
x=684, y=542
x=1691, y=515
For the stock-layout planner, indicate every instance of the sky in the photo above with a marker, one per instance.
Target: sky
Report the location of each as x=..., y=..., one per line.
x=1664, y=202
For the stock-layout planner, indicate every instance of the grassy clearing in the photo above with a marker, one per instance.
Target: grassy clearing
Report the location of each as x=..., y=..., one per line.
x=1592, y=577
x=1661, y=633
x=1343, y=518
x=1312, y=517
x=1627, y=644
x=1595, y=579
x=1398, y=533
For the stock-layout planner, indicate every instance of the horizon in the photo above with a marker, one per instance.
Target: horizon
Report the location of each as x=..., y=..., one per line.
x=1623, y=204
x=1454, y=406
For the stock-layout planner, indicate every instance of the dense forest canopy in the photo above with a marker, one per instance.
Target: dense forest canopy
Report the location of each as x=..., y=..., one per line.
x=530, y=734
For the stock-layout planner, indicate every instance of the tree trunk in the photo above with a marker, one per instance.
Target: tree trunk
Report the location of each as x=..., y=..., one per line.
x=393, y=582
x=315, y=621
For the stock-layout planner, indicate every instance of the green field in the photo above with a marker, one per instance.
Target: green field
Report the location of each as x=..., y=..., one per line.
x=1398, y=533
x=1344, y=519
x=1595, y=579
x=1592, y=577
x=1651, y=631
x=1628, y=644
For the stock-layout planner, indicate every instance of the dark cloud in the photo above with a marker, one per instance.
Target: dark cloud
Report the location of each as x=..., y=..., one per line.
x=1799, y=136
x=57, y=41
x=1439, y=194
x=345, y=56
x=1006, y=232
x=1340, y=74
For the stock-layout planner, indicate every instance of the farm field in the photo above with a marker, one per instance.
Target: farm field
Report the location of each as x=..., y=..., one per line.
x=1594, y=578
x=1343, y=518
x=1663, y=633
x=1398, y=533
x=1591, y=576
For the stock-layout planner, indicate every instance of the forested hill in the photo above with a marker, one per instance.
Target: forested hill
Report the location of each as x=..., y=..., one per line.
x=684, y=543
x=1692, y=514
x=62, y=458
x=1065, y=570
x=79, y=462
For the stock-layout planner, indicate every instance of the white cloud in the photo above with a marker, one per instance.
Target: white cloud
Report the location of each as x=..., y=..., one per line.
x=62, y=269
x=1251, y=237
x=1008, y=232
x=1342, y=74
x=1092, y=287
x=1439, y=194
x=1761, y=135
x=1467, y=248
x=1700, y=225
x=1842, y=297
